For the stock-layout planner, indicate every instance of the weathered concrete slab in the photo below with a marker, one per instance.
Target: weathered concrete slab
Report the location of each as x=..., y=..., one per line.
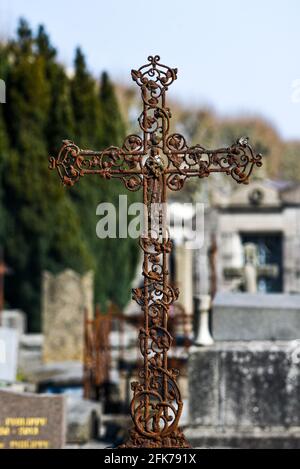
x=254, y=438
x=245, y=384
x=249, y=316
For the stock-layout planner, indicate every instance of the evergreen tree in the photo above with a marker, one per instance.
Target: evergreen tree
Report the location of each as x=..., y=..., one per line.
x=85, y=104
x=44, y=46
x=3, y=156
x=43, y=230
x=3, y=145
x=60, y=117
x=24, y=39
x=98, y=124
x=115, y=250
x=47, y=226
x=112, y=123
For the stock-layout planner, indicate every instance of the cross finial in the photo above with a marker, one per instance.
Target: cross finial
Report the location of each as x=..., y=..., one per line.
x=154, y=76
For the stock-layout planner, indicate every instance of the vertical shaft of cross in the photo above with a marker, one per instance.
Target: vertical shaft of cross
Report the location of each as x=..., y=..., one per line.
x=154, y=337
x=146, y=315
x=163, y=234
x=165, y=255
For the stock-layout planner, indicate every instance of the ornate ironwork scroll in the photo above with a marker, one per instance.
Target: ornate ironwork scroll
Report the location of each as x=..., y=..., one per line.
x=155, y=161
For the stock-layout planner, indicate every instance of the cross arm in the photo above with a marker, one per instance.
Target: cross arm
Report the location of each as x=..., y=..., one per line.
x=238, y=161
x=124, y=162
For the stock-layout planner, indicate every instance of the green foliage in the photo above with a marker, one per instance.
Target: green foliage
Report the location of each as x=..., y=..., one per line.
x=3, y=155
x=47, y=226
x=99, y=124
x=86, y=108
x=43, y=45
x=112, y=124
x=3, y=147
x=43, y=230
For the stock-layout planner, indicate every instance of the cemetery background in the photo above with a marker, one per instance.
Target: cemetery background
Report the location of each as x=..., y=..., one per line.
x=59, y=270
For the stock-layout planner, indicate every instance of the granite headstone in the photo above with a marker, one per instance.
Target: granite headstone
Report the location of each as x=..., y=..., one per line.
x=31, y=421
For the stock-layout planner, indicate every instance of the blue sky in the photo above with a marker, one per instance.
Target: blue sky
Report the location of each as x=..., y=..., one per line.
x=236, y=56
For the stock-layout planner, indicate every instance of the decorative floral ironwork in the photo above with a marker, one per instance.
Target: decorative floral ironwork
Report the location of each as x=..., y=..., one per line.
x=155, y=161
x=113, y=162
x=238, y=161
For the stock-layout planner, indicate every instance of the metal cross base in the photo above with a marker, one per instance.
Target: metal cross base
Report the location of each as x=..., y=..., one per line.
x=175, y=439
x=155, y=161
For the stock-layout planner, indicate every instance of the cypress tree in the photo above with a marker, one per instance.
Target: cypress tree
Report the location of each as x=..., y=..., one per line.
x=112, y=124
x=85, y=104
x=3, y=145
x=119, y=255
x=48, y=227
x=60, y=117
x=44, y=46
x=85, y=109
x=43, y=230
x=98, y=124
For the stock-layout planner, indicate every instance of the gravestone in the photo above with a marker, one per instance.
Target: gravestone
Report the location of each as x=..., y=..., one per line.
x=83, y=420
x=14, y=319
x=244, y=389
x=245, y=395
x=247, y=316
x=65, y=298
x=31, y=421
x=9, y=344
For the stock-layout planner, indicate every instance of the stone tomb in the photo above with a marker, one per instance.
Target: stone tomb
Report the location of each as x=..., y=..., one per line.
x=245, y=395
x=244, y=389
x=250, y=316
x=9, y=344
x=266, y=213
x=31, y=421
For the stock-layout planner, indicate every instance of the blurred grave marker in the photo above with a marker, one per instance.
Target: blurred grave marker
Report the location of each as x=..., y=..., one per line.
x=9, y=345
x=65, y=298
x=31, y=421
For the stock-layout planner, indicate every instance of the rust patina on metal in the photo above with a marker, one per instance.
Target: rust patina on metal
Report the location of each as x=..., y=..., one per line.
x=155, y=161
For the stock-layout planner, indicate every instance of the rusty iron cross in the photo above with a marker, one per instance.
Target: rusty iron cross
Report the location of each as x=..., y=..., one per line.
x=155, y=161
